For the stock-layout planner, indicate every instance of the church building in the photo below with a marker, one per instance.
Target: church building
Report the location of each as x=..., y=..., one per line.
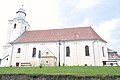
x=78, y=46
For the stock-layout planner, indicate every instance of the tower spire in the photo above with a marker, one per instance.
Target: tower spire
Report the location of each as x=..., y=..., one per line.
x=22, y=4
x=21, y=14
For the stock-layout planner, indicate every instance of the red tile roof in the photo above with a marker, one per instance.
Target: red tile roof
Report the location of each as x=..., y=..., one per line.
x=111, y=51
x=79, y=33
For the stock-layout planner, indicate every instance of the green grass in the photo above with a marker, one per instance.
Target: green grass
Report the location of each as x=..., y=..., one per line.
x=67, y=70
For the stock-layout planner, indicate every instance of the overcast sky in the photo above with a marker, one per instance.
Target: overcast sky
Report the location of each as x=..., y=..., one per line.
x=102, y=15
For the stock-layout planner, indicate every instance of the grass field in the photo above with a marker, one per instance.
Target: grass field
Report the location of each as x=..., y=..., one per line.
x=67, y=70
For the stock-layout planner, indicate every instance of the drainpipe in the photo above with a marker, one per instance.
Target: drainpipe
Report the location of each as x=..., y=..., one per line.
x=59, y=53
x=63, y=57
x=94, y=52
x=11, y=54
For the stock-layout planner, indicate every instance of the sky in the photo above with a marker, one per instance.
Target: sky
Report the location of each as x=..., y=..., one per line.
x=102, y=15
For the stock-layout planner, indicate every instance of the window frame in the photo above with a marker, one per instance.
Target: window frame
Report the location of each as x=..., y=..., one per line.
x=34, y=52
x=87, y=52
x=15, y=26
x=19, y=50
x=103, y=51
x=39, y=54
x=67, y=51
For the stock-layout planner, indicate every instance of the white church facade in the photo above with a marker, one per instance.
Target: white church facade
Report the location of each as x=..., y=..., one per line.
x=55, y=47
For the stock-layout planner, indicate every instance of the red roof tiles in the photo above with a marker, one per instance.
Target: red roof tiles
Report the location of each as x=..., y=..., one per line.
x=111, y=51
x=80, y=33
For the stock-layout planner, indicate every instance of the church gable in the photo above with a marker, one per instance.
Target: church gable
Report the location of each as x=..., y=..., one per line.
x=47, y=53
x=48, y=58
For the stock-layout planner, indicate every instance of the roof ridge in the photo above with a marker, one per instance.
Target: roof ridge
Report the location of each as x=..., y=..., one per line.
x=61, y=28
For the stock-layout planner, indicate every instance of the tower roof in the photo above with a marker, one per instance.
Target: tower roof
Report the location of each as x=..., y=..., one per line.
x=67, y=34
x=21, y=10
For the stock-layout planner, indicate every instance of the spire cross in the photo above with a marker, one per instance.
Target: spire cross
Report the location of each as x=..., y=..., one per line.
x=22, y=4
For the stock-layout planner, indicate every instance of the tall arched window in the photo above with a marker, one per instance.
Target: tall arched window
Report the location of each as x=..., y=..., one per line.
x=67, y=51
x=39, y=54
x=19, y=50
x=103, y=51
x=15, y=25
x=25, y=28
x=34, y=52
x=87, y=50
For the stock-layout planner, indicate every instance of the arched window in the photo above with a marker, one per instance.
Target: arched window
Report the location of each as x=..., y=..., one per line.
x=87, y=50
x=15, y=25
x=67, y=51
x=25, y=28
x=103, y=51
x=19, y=50
x=34, y=52
x=39, y=54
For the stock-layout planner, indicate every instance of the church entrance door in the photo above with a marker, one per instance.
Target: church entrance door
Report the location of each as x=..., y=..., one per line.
x=17, y=64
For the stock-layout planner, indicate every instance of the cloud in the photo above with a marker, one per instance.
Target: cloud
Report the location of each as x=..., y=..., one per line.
x=41, y=14
x=86, y=22
x=84, y=4
x=44, y=14
x=107, y=29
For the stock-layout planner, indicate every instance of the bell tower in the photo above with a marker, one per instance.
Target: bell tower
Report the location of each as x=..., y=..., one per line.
x=17, y=26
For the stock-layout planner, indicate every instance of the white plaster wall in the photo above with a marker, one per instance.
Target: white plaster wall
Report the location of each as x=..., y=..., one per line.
x=25, y=55
x=12, y=33
x=6, y=59
x=99, y=54
x=119, y=62
x=77, y=52
x=51, y=61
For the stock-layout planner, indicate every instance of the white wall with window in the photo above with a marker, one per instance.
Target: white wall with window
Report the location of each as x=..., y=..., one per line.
x=72, y=53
